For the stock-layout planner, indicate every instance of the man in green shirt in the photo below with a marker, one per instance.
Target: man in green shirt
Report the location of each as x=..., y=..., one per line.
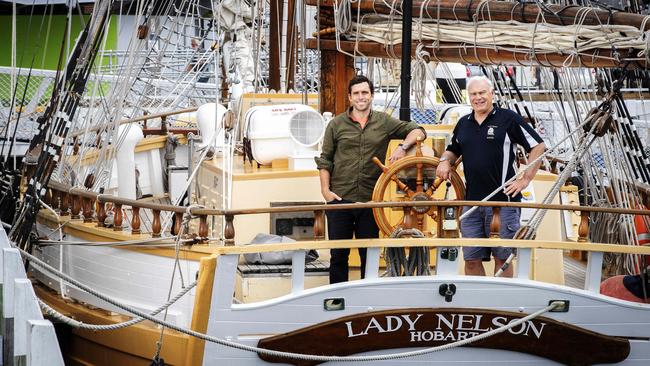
x=347, y=173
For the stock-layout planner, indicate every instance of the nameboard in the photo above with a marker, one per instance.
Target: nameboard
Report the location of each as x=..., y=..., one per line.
x=426, y=327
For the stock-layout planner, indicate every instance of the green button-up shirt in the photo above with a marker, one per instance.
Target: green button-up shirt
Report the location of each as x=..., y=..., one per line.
x=348, y=151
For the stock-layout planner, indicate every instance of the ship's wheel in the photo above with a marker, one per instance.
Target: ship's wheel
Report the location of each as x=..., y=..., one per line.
x=415, y=176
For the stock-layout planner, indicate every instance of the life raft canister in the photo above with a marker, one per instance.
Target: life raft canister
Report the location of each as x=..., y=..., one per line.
x=642, y=225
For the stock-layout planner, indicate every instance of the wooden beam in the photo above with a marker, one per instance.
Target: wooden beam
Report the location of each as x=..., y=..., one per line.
x=470, y=54
x=492, y=10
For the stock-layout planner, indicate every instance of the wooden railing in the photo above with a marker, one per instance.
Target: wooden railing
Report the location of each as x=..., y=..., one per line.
x=164, y=128
x=92, y=208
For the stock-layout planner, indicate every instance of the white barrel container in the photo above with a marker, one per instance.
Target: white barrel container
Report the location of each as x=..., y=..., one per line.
x=278, y=131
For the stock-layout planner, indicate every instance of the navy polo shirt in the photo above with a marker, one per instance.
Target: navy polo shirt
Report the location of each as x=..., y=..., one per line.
x=489, y=149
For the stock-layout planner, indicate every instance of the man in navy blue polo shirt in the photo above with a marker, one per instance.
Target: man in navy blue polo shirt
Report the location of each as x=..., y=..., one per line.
x=487, y=140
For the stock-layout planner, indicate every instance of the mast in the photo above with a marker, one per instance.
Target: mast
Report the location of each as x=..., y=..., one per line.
x=405, y=74
x=275, y=44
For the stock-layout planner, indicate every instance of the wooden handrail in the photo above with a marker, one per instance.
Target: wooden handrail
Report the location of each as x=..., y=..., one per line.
x=385, y=204
x=142, y=118
x=301, y=208
x=434, y=243
x=88, y=197
x=137, y=203
x=107, y=198
x=319, y=209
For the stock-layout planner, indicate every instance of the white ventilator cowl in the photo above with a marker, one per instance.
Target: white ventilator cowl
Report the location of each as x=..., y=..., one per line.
x=209, y=118
x=130, y=135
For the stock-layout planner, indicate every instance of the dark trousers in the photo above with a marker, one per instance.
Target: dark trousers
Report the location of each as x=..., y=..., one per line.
x=347, y=224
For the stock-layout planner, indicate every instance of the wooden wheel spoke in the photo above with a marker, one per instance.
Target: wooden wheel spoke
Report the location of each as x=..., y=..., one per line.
x=418, y=148
x=432, y=188
x=420, y=218
x=402, y=186
x=419, y=178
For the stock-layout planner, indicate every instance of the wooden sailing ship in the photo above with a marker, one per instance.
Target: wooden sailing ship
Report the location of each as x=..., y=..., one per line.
x=128, y=268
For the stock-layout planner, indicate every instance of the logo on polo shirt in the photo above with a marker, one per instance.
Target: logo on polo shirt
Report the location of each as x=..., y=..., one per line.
x=490, y=132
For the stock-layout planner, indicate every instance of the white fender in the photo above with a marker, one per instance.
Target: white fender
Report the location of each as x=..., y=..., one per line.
x=131, y=135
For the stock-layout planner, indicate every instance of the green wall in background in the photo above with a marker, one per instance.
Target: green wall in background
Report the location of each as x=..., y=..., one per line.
x=32, y=35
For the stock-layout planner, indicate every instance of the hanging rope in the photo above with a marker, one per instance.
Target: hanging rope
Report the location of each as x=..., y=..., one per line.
x=291, y=355
x=399, y=264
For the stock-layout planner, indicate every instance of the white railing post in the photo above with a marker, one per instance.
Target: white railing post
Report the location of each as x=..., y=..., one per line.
x=297, y=271
x=12, y=268
x=4, y=240
x=372, y=263
x=224, y=283
x=27, y=338
x=42, y=348
x=25, y=309
x=523, y=263
x=594, y=272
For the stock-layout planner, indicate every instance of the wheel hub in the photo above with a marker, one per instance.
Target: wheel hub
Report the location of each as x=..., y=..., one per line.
x=419, y=197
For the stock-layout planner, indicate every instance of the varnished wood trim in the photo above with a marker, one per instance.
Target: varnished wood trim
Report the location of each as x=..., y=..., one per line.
x=558, y=341
x=138, y=340
x=434, y=242
x=90, y=232
x=201, y=313
x=394, y=204
x=304, y=208
x=495, y=225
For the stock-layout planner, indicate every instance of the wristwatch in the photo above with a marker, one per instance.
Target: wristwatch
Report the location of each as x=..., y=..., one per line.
x=403, y=147
x=444, y=158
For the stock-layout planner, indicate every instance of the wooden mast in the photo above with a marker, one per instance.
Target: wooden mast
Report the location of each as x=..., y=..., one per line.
x=275, y=43
x=291, y=41
x=405, y=69
x=336, y=69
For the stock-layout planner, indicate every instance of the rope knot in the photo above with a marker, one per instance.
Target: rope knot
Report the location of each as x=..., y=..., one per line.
x=188, y=212
x=599, y=120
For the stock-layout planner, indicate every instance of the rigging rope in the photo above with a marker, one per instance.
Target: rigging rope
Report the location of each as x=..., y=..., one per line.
x=244, y=347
